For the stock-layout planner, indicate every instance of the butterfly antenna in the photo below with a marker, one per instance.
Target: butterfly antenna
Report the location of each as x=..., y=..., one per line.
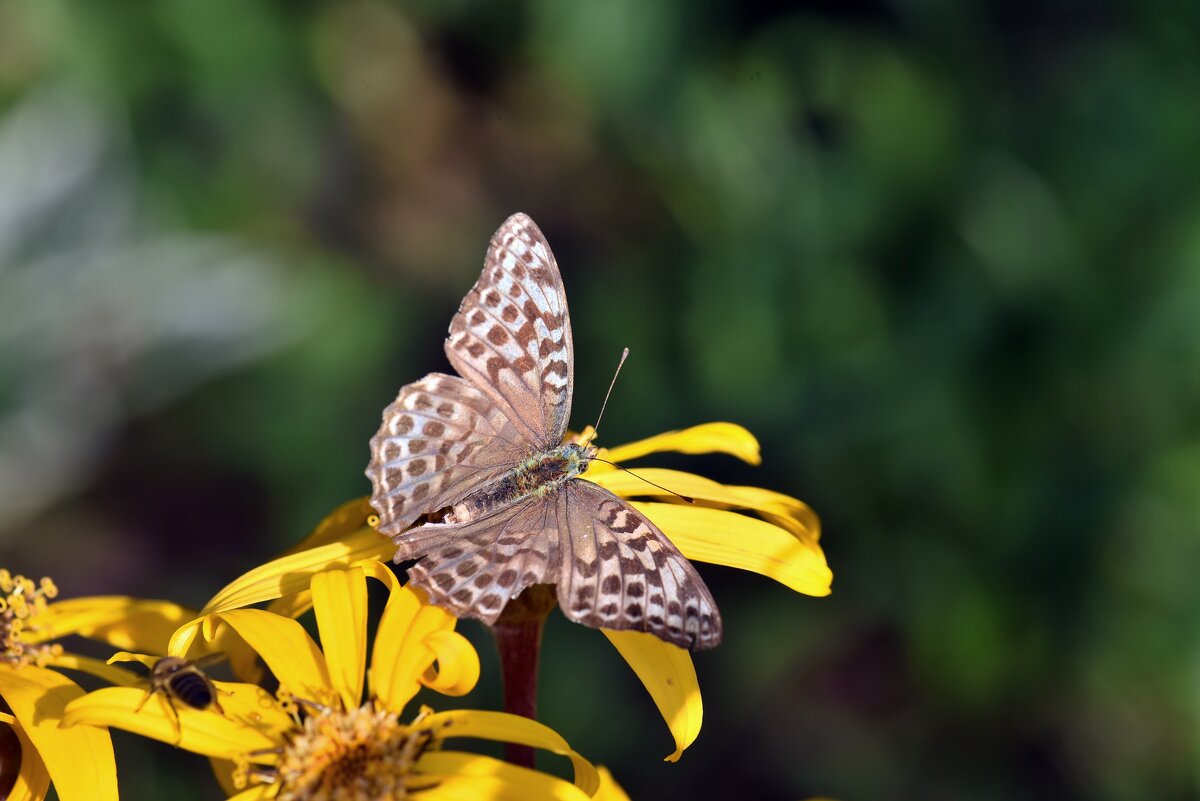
x=648, y=481
x=613, y=383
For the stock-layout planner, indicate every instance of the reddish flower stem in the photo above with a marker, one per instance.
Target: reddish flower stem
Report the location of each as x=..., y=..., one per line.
x=518, y=633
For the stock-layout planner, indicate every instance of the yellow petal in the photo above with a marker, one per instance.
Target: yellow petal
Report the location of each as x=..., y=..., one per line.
x=670, y=677
x=412, y=659
x=287, y=650
x=292, y=605
x=223, y=771
x=512, y=729
x=609, y=789
x=457, y=670
x=782, y=510
x=243, y=662
x=340, y=601
x=128, y=623
x=728, y=538
x=287, y=575
x=339, y=524
x=292, y=574
x=252, y=720
x=80, y=761
x=390, y=682
x=401, y=658
x=95, y=667
x=255, y=793
x=727, y=438
x=471, y=777
x=185, y=635
x=142, y=659
x=33, y=780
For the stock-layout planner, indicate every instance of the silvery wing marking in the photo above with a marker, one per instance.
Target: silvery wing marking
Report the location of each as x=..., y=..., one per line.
x=620, y=572
x=511, y=336
x=441, y=439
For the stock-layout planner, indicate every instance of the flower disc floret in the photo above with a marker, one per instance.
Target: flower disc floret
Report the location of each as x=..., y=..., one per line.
x=356, y=755
x=22, y=603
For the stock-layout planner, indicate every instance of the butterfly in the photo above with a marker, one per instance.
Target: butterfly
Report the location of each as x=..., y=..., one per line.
x=479, y=464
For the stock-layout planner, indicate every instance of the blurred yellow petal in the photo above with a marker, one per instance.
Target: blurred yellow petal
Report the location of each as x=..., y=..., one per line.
x=340, y=601
x=457, y=670
x=471, y=777
x=512, y=729
x=339, y=524
x=223, y=770
x=94, y=667
x=142, y=659
x=287, y=650
x=727, y=438
x=670, y=677
x=736, y=540
x=782, y=510
x=80, y=761
x=33, y=780
x=129, y=623
x=258, y=791
x=252, y=720
x=609, y=789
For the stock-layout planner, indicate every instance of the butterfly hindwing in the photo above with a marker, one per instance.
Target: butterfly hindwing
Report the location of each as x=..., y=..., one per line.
x=511, y=336
x=620, y=572
x=473, y=569
x=440, y=439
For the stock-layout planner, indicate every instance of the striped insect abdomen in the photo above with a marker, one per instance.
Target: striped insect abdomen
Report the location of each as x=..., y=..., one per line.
x=191, y=688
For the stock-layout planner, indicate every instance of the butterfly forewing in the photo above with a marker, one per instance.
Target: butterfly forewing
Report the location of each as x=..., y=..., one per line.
x=620, y=572
x=512, y=336
x=440, y=439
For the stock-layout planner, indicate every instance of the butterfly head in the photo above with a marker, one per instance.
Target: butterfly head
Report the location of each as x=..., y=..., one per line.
x=578, y=457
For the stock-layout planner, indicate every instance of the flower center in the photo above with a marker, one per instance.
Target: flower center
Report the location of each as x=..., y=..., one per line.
x=21, y=602
x=359, y=755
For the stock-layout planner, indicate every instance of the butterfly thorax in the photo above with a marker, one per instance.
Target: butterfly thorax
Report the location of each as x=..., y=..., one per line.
x=534, y=477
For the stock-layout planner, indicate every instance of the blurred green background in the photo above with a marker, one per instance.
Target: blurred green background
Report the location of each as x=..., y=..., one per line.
x=943, y=258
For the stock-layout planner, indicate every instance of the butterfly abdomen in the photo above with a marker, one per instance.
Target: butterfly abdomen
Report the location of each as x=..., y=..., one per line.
x=534, y=477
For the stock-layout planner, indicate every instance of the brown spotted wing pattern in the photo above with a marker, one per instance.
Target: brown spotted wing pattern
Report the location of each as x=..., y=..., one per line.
x=620, y=572
x=445, y=439
x=613, y=567
x=511, y=336
x=440, y=439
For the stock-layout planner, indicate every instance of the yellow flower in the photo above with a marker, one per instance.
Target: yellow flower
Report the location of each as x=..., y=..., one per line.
x=321, y=737
x=79, y=763
x=778, y=539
